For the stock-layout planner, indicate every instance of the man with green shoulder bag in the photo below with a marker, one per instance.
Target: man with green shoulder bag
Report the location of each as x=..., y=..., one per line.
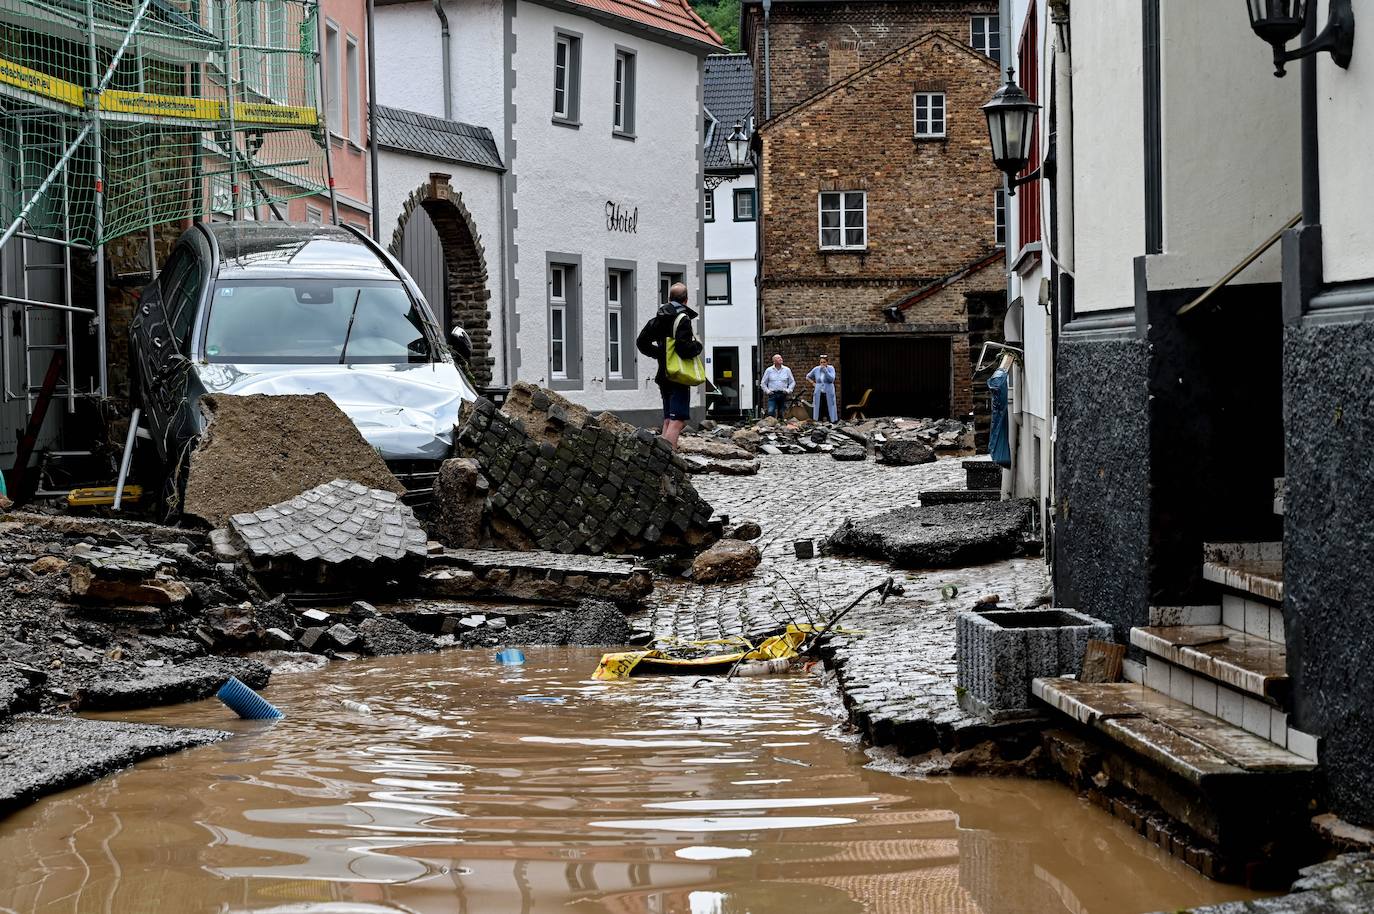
x=668, y=339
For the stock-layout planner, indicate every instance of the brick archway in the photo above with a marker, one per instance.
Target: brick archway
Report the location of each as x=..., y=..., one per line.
x=465, y=264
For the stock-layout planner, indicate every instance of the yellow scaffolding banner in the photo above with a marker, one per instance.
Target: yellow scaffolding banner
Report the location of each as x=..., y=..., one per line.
x=40, y=83
x=286, y=115
x=179, y=106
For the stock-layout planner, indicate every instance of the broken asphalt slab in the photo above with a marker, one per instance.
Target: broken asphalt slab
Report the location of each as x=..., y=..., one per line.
x=535, y=576
x=42, y=754
x=144, y=686
x=261, y=449
x=939, y=536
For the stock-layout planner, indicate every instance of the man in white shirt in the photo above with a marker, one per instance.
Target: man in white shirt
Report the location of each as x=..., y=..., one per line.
x=777, y=385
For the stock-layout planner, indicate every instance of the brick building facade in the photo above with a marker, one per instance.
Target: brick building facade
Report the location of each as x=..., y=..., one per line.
x=878, y=195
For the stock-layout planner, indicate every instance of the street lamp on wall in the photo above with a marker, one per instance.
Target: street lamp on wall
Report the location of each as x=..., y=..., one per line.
x=1011, y=119
x=737, y=143
x=1280, y=21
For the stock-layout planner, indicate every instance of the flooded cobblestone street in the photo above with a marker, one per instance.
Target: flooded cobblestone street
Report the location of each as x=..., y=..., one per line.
x=471, y=787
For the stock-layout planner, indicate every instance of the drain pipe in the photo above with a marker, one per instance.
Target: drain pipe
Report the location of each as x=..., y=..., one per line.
x=447, y=44
x=372, y=123
x=767, y=65
x=507, y=347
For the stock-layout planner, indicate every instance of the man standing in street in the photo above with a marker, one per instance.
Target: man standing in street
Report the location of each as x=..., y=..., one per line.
x=777, y=385
x=823, y=376
x=653, y=342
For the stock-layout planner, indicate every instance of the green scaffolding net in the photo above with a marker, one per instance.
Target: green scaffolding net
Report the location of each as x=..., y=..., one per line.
x=119, y=115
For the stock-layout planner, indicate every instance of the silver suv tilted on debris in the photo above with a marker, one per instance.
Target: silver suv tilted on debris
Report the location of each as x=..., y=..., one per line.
x=282, y=308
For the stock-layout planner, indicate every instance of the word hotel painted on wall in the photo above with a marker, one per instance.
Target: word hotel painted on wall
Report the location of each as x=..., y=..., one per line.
x=620, y=219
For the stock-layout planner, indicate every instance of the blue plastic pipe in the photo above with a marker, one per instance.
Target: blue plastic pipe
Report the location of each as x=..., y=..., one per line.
x=246, y=703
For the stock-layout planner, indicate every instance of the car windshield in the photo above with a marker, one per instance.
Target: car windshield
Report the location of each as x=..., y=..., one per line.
x=315, y=321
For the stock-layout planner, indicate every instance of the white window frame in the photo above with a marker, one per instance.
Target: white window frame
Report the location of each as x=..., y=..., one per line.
x=278, y=77
x=558, y=305
x=353, y=79
x=923, y=114
x=615, y=324
x=708, y=204
x=843, y=226
x=333, y=80
x=568, y=45
x=999, y=217
x=991, y=35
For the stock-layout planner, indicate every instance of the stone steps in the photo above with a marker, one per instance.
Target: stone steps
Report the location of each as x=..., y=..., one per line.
x=1189, y=743
x=959, y=496
x=1255, y=569
x=1244, y=662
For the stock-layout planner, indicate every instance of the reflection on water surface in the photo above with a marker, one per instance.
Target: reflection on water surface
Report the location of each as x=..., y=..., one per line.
x=457, y=794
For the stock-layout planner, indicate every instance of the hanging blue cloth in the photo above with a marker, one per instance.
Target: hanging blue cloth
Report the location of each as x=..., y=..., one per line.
x=999, y=445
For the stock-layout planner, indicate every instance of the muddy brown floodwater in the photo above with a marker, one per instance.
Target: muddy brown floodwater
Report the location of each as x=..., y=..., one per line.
x=472, y=787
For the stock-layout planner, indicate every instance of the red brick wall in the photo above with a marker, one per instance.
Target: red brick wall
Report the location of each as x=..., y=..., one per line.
x=813, y=45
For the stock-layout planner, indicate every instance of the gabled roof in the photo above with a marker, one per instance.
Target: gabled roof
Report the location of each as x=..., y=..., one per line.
x=729, y=97
x=675, y=17
x=423, y=134
x=878, y=64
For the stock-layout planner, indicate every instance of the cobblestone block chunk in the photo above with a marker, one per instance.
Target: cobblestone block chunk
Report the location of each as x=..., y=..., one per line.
x=333, y=534
x=565, y=481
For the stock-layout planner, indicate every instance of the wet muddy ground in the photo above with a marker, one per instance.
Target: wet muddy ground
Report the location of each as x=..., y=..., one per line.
x=471, y=787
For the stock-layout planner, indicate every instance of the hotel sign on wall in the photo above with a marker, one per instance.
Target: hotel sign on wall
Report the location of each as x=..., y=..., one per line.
x=621, y=219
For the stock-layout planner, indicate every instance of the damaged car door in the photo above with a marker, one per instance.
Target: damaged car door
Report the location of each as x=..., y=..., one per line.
x=161, y=339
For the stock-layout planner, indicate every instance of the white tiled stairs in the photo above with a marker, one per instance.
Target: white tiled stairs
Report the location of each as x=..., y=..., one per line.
x=1228, y=660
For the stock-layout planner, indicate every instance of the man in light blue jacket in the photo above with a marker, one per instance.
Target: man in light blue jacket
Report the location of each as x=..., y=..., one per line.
x=823, y=376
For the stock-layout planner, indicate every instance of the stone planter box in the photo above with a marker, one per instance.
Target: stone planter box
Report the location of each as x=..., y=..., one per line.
x=1000, y=651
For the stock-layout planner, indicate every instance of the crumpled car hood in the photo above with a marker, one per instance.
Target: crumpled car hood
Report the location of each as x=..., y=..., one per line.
x=406, y=412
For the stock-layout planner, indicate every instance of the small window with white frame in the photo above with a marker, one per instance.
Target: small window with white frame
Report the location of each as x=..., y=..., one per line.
x=708, y=204
x=333, y=85
x=985, y=36
x=558, y=321
x=623, y=97
x=615, y=323
x=843, y=220
x=928, y=114
x=355, y=92
x=567, y=56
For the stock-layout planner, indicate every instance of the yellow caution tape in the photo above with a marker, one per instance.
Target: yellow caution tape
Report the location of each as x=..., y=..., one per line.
x=181, y=106
x=286, y=115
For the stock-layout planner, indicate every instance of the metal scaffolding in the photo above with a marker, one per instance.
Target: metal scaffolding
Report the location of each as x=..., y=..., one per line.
x=117, y=116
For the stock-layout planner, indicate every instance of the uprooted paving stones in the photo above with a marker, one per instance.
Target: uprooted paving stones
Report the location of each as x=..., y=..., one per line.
x=542, y=530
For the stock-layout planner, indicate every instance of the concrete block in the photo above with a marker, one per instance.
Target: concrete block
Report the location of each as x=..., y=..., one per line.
x=1133, y=671
x=1157, y=674
x=1256, y=618
x=1001, y=651
x=1277, y=632
x=1181, y=685
x=1278, y=727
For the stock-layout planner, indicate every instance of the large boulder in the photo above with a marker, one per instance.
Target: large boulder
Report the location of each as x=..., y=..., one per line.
x=727, y=560
x=901, y=452
x=381, y=635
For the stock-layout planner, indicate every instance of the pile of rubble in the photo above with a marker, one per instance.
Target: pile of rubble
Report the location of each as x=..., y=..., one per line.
x=897, y=441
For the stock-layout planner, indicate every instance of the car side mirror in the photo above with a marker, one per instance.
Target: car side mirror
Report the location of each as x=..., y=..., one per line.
x=462, y=344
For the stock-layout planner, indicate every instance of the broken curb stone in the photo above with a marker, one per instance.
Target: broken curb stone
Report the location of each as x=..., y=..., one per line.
x=939, y=536
x=261, y=450
x=536, y=576
x=335, y=535
x=727, y=560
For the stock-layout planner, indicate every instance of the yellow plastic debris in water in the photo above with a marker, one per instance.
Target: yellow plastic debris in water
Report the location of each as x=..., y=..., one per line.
x=622, y=664
x=101, y=495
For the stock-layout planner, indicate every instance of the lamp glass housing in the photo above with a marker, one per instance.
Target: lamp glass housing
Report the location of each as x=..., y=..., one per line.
x=1011, y=116
x=1277, y=21
x=737, y=144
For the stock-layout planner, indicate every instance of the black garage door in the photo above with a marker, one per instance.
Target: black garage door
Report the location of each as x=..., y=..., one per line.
x=909, y=376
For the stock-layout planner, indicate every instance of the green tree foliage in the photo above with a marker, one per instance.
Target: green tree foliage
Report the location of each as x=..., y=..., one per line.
x=723, y=16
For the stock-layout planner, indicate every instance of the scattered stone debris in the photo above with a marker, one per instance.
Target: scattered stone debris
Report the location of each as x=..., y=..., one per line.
x=382, y=636
x=567, y=482
x=940, y=536
x=716, y=455
x=42, y=754
x=591, y=623
x=771, y=436
x=335, y=534
x=849, y=452
x=121, y=574
x=534, y=576
x=727, y=560
x=744, y=530
x=261, y=450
